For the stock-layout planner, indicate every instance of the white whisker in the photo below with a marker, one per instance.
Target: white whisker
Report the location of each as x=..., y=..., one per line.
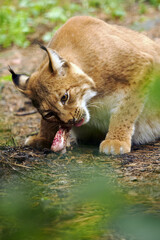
x=92, y=105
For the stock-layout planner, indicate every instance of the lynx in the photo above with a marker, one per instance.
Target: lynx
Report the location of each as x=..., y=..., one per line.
x=94, y=82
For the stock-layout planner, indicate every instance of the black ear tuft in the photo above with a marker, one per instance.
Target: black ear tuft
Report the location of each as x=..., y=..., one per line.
x=20, y=80
x=15, y=77
x=11, y=70
x=43, y=47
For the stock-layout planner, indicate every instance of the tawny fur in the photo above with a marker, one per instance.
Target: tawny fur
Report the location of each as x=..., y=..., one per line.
x=106, y=70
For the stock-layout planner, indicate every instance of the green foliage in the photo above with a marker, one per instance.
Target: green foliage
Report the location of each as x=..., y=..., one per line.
x=6, y=78
x=35, y=8
x=115, y=8
x=14, y=26
x=155, y=3
x=20, y=18
x=143, y=6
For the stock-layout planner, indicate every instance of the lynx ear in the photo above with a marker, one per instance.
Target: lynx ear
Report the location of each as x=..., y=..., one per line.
x=20, y=80
x=57, y=63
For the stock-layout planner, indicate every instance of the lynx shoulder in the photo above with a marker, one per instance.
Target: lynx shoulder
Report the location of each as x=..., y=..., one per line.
x=94, y=81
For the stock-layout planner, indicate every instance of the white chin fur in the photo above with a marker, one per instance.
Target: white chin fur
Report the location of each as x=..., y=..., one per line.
x=87, y=96
x=87, y=115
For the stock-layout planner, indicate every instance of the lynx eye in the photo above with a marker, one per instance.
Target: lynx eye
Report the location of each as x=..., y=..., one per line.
x=64, y=98
x=49, y=115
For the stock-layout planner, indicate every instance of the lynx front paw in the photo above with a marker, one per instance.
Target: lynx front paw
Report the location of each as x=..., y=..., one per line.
x=114, y=147
x=37, y=142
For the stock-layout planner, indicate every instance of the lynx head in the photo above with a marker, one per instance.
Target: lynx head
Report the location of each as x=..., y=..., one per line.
x=59, y=89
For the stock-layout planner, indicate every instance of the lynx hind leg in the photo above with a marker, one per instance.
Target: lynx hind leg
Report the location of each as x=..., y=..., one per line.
x=45, y=137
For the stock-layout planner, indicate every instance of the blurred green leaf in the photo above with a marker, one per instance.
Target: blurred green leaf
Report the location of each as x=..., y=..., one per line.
x=25, y=214
x=6, y=78
x=89, y=211
x=13, y=27
x=48, y=36
x=154, y=94
x=56, y=14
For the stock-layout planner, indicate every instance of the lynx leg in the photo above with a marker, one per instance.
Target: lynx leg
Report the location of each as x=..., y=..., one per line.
x=45, y=137
x=124, y=116
x=121, y=128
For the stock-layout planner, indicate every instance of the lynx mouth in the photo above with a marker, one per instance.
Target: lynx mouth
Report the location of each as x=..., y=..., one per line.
x=79, y=123
x=62, y=137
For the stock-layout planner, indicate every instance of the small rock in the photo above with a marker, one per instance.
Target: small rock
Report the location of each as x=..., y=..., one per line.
x=79, y=161
x=133, y=179
x=143, y=170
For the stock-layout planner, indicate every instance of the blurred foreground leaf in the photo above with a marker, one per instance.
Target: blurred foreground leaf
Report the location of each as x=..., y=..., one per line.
x=154, y=94
x=92, y=210
x=26, y=213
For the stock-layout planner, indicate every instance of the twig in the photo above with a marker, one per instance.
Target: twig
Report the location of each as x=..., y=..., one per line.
x=14, y=164
x=25, y=113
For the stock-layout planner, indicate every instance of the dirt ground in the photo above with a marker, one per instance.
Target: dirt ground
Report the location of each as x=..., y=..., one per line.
x=19, y=119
